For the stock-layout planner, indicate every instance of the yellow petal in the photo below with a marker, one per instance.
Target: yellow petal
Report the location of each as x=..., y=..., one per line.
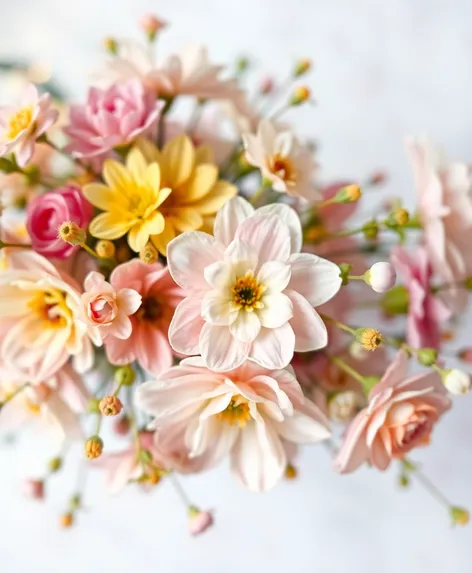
x=177, y=161
x=155, y=223
x=137, y=165
x=116, y=176
x=200, y=183
x=204, y=154
x=138, y=236
x=149, y=150
x=109, y=226
x=163, y=239
x=100, y=195
x=153, y=176
x=187, y=219
x=163, y=194
x=208, y=224
x=221, y=192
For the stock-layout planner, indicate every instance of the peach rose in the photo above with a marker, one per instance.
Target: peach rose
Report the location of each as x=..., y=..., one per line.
x=399, y=417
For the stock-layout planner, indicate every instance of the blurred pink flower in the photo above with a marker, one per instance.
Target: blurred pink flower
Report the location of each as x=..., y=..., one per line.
x=400, y=416
x=33, y=488
x=199, y=521
x=108, y=309
x=249, y=292
x=427, y=313
x=148, y=343
x=150, y=24
x=23, y=124
x=111, y=118
x=45, y=214
x=248, y=414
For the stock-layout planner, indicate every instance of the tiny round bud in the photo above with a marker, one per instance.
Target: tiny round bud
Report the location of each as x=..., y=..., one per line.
x=377, y=178
x=460, y=515
x=111, y=406
x=403, y=480
x=400, y=217
x=105, y=249
x=110, y=45
x=369, y=338
x=349, y=194
x=93, y=447
x=300, y=95
x=93, y=406
x=242, y=64
x=198, y=521
x=427, y=356
x=71, y=233
x=371, y=230
x=151, y=25
x=122, y=426
x=301, y=67
x=465, y=355
x=291, y=472
x=55, y=464
x=381, y=277
x=456, y=381
x=125, y=375
x=75, y=502
x=343, y=406
x=33, y=488
x=66, y=520
x=267, y=86
x=148, y=254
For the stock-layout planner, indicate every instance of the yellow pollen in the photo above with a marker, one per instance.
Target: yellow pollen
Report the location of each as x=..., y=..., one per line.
x=33, y=408
x=50, y=307
x=19, y=121
x=283, y=168
x=248, y=292
x=237, y=412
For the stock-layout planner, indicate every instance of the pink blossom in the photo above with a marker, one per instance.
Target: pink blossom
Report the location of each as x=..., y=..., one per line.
x=151, y=24
x=48, y=211
x=199, y=521
x=148, y=343
x=33, y=488
x=112, y=118
x=23, y=124
x=249, y=413
x=427, y=313
x=108, y=309
x=400, y=416
x=249, y=292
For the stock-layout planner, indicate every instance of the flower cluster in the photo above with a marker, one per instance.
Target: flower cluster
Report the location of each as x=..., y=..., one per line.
x=195, y=286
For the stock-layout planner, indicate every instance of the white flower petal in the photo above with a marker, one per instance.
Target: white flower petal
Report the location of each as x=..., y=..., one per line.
x=277, y=310
x=185, y=327
x=310, y=331
x=268, y=236
x=220, y=275
x=242, y=255
x=218, y=310
x=290, y=218
x=314, y=278
x=273, y=348
x=246, y=326
x=302, y=429
x=275, y=275
x=220, y=350
x=229, y=217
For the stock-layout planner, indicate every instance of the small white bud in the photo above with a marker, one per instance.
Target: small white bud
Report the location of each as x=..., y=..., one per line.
x=457, y=381
x=381, y=277
x=343, y=406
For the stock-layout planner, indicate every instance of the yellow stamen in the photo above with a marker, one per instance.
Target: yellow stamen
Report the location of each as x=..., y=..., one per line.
x=283, y=168
x=248, y=293
x=51, y=308
x=19, y=121
x=237, y=412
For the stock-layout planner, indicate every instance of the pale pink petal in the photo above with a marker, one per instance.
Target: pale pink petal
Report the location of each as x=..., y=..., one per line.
x=273, y=348
x=229, y=217
x=220, y=350
x=314, y=278
x=246, y=326
x=218, y=310
x=354, y=451
x=310, y=331
x=128, y=300
x=268, y=236
x=274, y=275
x=186, y=325
x=290, y=218
x=277, y=310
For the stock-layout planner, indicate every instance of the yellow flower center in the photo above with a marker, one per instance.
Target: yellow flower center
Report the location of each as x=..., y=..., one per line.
x=247, y=292
x=237, y=412
x=19, y=121
x=283, y=168
x=50, y=307
x=33, y=408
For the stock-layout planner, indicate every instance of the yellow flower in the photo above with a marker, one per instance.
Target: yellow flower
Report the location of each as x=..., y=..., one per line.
x=197, y=193
x=131, y=199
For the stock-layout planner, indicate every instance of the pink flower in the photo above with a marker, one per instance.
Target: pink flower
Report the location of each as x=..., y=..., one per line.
x=400, y=416
x=427, y=313
x=112, y=118
x=151, y=24
x=23, y=124
x=48, y=211
x=108, y=309
x=249, y=414
x=148, y=343
x=249, y=292
x=33, y=488
x=199, y=521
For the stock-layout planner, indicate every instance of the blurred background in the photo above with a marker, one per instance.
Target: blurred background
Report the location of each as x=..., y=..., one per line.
x=383, y=70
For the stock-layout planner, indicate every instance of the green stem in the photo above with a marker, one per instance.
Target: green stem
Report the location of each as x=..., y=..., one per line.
x=339, y=324
x=258, y=194
x=340, y=362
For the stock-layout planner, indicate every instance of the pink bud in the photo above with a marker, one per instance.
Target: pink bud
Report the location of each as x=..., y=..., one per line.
x=121, y=426
x=151, y=24
x=34, y=489
x=381, y=277
x=267, y=86
x=466, y=355
x=199, y=521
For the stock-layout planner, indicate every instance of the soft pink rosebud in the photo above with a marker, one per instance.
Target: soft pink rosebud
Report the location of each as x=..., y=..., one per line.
x=47, y=212
x=33, y=488
x=199, y=521
x=151, y=25
x=267, y=86
x=121, y=426
x=381, y=277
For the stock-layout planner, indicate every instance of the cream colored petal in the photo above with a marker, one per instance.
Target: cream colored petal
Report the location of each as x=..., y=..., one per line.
x=109, y=226
x=155, y=223
x=163, y=239
x=187, y=219
x=101, y=196
x=200, y=183
x=178, y=161
x=204, y=154
x=149, y=150
x=137, y=166
x=138, y=236
x=163, y=194
x=218, y=196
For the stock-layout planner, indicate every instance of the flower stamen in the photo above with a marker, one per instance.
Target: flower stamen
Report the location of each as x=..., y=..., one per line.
x=248, y=293
x=237, y=412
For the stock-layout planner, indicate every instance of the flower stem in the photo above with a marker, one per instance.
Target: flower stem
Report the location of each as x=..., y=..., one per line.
x=348, y=369
x=180, y=490
x=339, y=324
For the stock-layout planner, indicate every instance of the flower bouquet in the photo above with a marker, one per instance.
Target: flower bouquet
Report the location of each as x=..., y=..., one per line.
x=171, y=260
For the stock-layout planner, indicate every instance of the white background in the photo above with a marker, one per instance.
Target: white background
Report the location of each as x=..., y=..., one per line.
x=383, y=70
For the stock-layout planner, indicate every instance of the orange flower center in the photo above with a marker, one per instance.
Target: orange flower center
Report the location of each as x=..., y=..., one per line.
x=283, y=168
x=19, y=121
x=247, y=292
x=50, y=307
x=237, y=412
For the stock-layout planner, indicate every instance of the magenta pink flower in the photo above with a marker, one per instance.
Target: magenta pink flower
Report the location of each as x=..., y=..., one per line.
x=427, y=313
x=23, y=124
x=148, y=342
x=400, y=416
x=249, y=291
x=112, y=118
x=47, y=212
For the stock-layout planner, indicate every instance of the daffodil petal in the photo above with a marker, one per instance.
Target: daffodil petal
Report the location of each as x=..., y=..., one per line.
x=187, y=219
x=200, y=183
x=100, y=195
x=150, y=152
x=137, y=166
x=116, y=176
x=138, y=236
x=109, y=226
x=163, y=194
x=165, y=237
x=155, y=223
x=218, y=196
x=177, y=161
x=204, y=154
x=153, y=176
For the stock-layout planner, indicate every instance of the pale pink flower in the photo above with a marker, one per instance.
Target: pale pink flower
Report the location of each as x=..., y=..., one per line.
x=151, y=24
x=107, y=308
x=281, y=159
x=21, y=125
x=248, y=414
x=55, y=402
x=381, y=277
x=249, y=292
x=199, y=521
x=444, y=192
x=427, y=312
x=112, y=118
x=33, y=488
x=400, y=417
x=47, y=212
x=148, y=343
x=40, y=327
